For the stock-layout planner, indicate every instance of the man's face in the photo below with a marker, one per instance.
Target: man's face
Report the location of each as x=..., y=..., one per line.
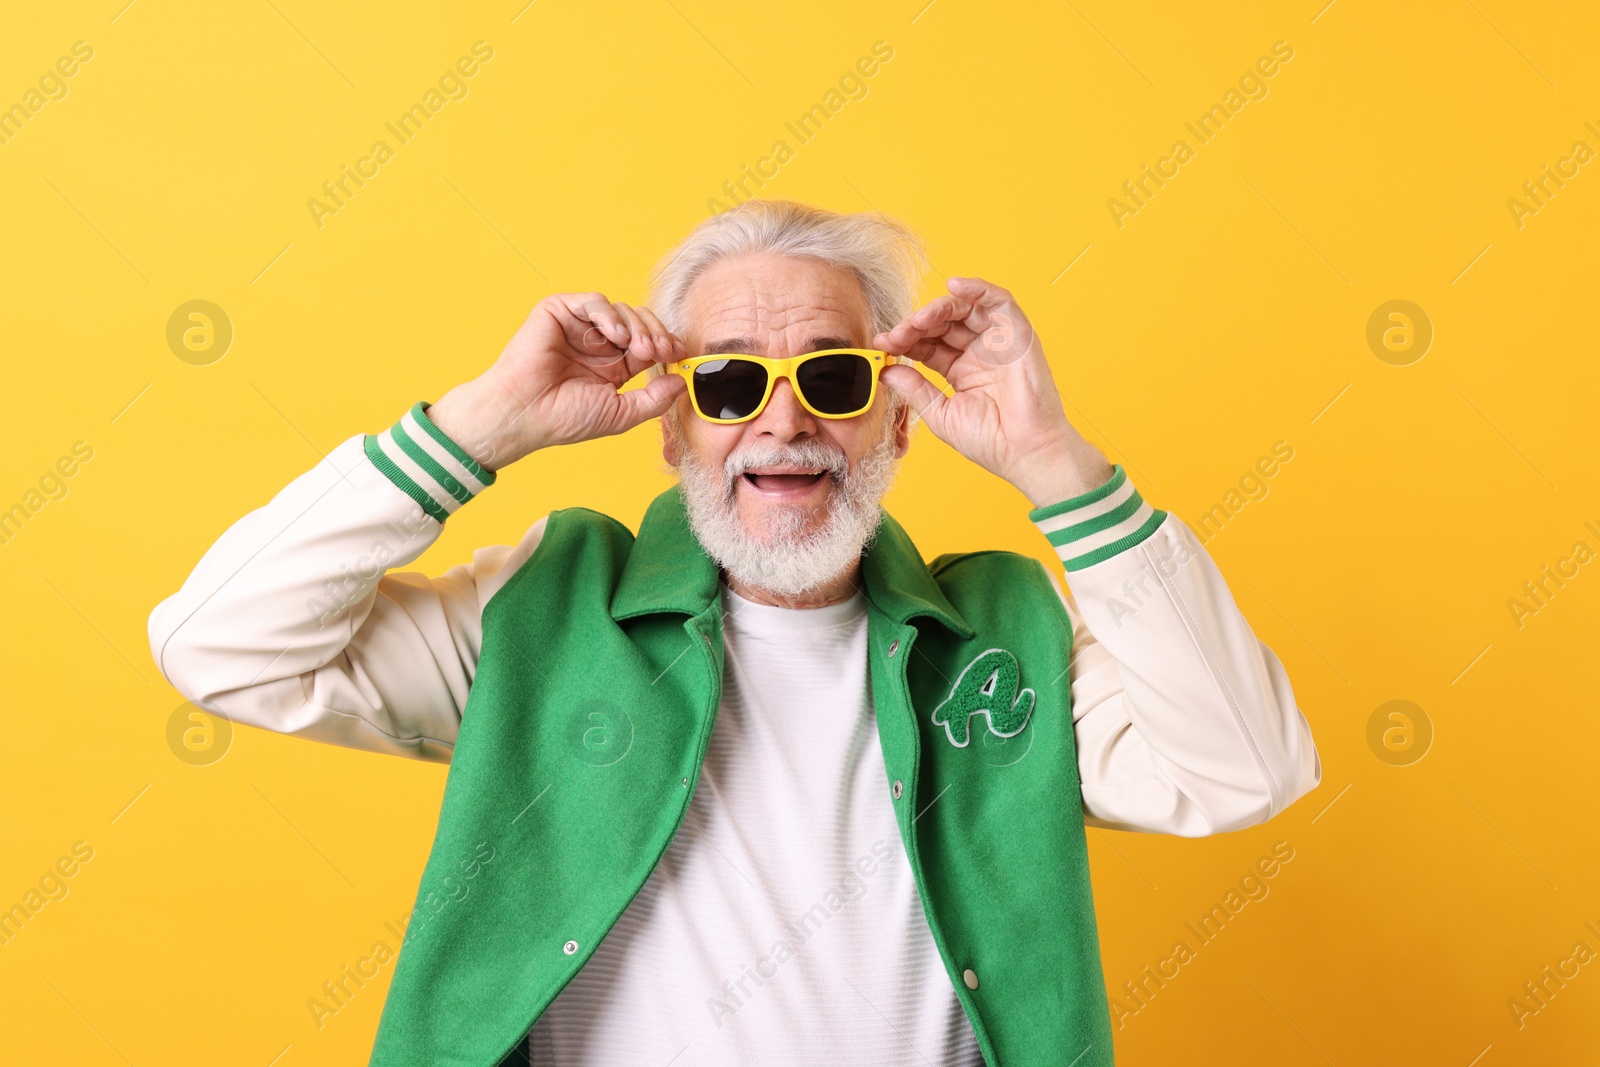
x=781, y=306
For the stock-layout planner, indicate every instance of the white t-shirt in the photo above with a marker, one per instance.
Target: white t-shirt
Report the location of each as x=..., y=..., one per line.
x=782, y=925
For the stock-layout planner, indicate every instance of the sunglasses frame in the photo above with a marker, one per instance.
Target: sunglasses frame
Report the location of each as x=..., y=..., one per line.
x=783, y=368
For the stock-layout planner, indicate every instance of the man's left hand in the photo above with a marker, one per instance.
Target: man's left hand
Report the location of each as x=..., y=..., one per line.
x=1006, y=415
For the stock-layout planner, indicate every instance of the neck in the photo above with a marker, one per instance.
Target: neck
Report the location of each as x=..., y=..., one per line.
x=835, y=591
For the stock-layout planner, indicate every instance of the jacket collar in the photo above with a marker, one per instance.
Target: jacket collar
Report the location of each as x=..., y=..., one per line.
x=668, y=570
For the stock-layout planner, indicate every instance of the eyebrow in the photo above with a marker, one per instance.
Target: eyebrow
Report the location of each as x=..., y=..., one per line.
x=747, y=346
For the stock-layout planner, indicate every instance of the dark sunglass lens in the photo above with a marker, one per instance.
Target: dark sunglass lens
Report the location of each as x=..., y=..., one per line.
x=838, y=384
x=729, y=388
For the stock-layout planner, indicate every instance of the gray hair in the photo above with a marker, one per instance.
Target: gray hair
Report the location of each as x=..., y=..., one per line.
x=886, y=255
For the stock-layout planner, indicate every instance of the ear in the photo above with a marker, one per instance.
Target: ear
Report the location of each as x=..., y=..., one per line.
x=669, y=440
x=902, y=431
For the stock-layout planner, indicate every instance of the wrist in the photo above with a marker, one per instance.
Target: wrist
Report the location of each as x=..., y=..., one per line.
x=1094, y=526
x=426, y=464
x=1053, y=475
x=1098, y=525
x=478, y=416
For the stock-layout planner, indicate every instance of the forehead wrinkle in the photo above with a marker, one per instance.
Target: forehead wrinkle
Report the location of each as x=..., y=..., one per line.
x=729, y=304
x=796, y=322
x=765, y=304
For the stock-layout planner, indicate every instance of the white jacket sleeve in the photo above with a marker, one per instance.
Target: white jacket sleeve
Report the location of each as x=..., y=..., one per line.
x=290, y=623
x=1185, y=722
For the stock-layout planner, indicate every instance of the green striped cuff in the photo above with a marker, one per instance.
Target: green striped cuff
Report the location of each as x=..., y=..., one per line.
x=427, y=466
x=1098, y=524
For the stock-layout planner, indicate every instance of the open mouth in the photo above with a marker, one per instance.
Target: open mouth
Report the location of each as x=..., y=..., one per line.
x=785, y=483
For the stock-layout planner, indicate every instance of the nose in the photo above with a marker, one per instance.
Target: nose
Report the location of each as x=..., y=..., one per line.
x=784, y=417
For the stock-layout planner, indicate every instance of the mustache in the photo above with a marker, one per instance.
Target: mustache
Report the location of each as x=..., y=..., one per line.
x=831, y=460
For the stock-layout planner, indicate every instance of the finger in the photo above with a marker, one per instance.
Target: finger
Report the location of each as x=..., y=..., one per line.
x=670, y=347
x=977, y=304
x=641, y=345
x=981, y=292
x=601, y=327
x=648, y=402
x=956, y=335
x=960, y=334
x=1006, y=334
x=935, y=354
x=931, y=320
x=917, y=325
x=925, y=398
x=640, y=352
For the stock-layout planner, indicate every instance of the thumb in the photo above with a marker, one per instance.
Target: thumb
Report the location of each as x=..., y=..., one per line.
x=924, y=397
x=639, y=405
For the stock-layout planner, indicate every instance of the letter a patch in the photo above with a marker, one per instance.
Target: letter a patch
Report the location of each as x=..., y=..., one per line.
x=987, y=687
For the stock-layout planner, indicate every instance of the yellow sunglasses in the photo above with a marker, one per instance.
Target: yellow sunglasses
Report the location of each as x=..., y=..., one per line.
x=835, y=383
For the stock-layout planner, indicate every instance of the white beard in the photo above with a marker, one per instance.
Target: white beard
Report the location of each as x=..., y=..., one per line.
x=793, y=562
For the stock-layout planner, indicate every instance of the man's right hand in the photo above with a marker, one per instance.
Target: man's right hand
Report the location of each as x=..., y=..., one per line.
x=558, y=380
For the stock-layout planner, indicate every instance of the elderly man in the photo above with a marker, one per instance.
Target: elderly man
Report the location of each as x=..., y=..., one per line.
x=757, y=784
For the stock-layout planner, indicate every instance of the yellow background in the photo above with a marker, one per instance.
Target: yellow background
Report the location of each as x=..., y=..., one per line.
x=1224, y=316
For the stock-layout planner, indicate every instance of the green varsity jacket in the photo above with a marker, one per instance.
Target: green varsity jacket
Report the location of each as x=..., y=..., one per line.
x=968, y=667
